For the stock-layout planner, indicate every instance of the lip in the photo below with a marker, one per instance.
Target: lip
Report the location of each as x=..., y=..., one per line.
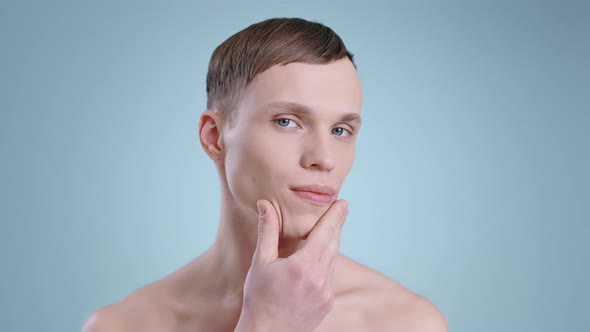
x=315, y=194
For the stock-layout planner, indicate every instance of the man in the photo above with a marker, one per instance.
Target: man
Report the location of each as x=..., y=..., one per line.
x=283, y=114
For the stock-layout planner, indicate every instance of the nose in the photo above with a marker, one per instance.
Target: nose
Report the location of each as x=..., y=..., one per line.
x=318, y=155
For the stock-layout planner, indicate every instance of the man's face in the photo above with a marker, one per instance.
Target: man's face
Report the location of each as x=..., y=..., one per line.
x=296, y=126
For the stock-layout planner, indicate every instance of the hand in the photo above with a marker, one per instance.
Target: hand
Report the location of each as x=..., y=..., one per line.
x=293, y=293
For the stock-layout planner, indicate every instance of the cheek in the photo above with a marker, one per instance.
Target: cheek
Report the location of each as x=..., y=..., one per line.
x=241, y=169
x=254, y=169
x=345, y=158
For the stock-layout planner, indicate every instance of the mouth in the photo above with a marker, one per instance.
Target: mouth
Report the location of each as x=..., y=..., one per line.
x=315, y=194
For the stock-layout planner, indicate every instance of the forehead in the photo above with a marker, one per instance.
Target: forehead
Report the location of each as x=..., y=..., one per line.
x=333, y=87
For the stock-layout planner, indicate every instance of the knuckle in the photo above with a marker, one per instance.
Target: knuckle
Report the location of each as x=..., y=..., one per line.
x=327, y=300
x=330, y=304
x=327, y=295
x=297, y=272
x=262, y=227
x=317, y=286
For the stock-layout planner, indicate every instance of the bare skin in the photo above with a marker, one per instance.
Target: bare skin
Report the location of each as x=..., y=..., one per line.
x=279, y=270
x=364, y=300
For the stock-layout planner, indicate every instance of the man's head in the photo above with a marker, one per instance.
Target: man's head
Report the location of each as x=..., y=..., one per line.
x=284, y=103
x=279, y=41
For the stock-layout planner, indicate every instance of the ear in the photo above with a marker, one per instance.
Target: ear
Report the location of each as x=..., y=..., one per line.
x=210, y=133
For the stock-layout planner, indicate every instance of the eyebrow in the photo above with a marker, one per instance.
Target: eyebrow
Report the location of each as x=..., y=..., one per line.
x=306, y=110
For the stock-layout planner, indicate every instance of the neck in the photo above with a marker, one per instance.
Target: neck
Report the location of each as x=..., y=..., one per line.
x=221, y=271
x=231, y=253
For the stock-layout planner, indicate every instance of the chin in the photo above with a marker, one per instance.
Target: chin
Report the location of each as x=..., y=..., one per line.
x=295, y=236
x=299, y=227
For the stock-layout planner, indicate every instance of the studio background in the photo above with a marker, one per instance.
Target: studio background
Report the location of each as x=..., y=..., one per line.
x=470, y=185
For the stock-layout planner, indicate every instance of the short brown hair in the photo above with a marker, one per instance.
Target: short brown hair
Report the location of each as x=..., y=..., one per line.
x=249, y=52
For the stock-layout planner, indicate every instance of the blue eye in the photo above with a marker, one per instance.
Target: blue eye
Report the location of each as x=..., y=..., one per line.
x=284, y=122
x=341, y=132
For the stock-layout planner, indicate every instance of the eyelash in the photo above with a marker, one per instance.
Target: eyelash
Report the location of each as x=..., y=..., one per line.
x=350, y=133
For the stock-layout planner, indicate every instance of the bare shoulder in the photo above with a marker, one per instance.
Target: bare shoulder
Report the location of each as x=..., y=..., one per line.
x=416, y=313
x=138, y=311
x=388, y=305
x=107, y=319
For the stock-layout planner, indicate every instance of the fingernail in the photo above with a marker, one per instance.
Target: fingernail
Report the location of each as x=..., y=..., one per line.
x=261, y=208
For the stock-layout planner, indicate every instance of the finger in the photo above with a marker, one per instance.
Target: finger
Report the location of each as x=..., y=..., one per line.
x=330, y=276
x=333, y=247
x=268, y=233
x=330, y=253
x=328, y=227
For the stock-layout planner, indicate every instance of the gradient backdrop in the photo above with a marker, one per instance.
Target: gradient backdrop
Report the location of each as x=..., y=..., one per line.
x=471, y=184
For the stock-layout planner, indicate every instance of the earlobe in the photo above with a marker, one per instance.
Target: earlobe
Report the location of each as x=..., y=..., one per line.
x=210, y=134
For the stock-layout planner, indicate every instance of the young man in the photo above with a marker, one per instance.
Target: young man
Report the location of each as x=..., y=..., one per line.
x=283, y=114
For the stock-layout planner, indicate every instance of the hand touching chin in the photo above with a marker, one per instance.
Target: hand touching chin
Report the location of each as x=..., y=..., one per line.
x=297, y=225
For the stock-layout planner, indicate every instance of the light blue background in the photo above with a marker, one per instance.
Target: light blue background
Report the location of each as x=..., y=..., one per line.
x=470, y=185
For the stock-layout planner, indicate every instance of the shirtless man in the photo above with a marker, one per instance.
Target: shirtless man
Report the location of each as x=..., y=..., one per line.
x=283, y=114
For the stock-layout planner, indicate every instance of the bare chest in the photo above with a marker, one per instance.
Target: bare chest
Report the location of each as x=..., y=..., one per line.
x=338, y=320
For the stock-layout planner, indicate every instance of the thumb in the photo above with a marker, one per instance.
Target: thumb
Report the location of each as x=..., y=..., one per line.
x=268, y=233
